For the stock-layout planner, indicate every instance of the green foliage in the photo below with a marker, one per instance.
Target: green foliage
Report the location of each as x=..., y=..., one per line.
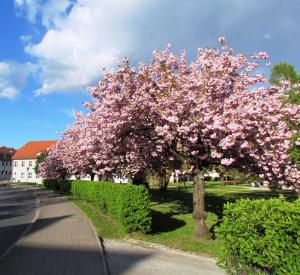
x=295, y=150
x=40, y=158
x=128, y=204
x=60, y=185
x=294, y=96
x=104, y=224
x=284, y=71
x=261, y=237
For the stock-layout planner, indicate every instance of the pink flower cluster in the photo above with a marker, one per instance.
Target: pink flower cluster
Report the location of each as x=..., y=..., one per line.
x=172, y=111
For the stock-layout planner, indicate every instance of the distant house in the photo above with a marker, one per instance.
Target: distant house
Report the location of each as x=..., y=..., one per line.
x=24, y=160
x=5, y=162
x=178, y=176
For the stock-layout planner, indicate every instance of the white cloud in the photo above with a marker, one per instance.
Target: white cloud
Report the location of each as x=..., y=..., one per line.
x=94, y=34
x=13, y=77
x=267, y=36
x=83, y=36
x=9, y=93
x=68, y=112
x=48, y=12
x=25, y=38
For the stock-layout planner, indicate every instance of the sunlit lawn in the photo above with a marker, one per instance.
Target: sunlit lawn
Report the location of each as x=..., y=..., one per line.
x=171, y=211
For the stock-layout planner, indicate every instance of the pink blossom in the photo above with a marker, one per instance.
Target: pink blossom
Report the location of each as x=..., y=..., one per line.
x=227, y=161
x=203, y=111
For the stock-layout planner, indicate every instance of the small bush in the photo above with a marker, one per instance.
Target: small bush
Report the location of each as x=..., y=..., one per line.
x=127, y=203
x=261, y=237
x=58, y=185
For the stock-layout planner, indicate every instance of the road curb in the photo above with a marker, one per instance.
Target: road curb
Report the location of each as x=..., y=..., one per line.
x=144, y=244
x=100, y=240
x=37, y=215
x=166, y=248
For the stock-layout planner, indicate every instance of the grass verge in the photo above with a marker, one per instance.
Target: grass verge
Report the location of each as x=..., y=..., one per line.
x=105, y=226
x=172, y=221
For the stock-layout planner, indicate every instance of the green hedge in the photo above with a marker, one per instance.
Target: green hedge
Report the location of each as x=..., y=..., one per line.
x=58, y=185
x=261, y=237
x=127, y=203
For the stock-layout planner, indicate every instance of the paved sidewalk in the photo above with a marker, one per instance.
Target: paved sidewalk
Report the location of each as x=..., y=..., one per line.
x=60, y=242
x=129, y=258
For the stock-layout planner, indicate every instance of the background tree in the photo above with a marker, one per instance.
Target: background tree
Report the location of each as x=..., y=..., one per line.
x=52, y=166
x=40, y=158
x=285, y=71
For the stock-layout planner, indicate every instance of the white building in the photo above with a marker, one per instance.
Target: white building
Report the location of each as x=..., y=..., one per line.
x=24, y=161
x=5, y=162
x=120, y=179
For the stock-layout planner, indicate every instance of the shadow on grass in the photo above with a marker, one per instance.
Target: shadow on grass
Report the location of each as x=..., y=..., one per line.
x=180, y=201
x=164, y=222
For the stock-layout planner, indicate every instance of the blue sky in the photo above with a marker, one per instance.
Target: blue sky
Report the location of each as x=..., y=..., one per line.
x=51, y=50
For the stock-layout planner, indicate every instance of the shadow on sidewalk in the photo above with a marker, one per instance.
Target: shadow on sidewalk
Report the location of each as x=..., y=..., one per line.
x=42, y=223
x=60, y=260
x=48, y=197
x=15, y=231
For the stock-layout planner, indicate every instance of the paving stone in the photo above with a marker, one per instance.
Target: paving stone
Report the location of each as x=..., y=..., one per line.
x=61, y=242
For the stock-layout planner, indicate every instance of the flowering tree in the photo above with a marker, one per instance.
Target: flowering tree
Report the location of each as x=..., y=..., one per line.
x=73, y=152
x=172, y=112
x=201, y=113
x=52, y=166
x=76, y=147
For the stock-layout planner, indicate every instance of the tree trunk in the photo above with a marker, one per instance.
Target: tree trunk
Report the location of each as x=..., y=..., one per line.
x=199, y=213
x=140, y=179
x=163, y=182
x=92, y=176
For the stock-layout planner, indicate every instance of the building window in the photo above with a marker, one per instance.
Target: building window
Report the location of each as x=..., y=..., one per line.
x=29, y=175
x=15, y=163
x=30, y=163
x=22, y=175
x=23, y=163
x=2, y=163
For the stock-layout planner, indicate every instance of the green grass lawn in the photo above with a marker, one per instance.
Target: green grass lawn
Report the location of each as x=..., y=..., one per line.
x=172, y=222
x=105, y=226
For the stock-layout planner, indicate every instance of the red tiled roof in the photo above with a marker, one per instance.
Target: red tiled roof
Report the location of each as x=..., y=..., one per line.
x=32, y=148
x=6, y=153
x=6, y=150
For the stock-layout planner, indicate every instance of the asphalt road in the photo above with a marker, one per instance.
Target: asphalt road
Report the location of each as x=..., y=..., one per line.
x=17, y=209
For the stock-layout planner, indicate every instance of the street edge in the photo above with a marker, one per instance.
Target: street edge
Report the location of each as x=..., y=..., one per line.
x=37, y=215
x=100, y=240
x=162, y=247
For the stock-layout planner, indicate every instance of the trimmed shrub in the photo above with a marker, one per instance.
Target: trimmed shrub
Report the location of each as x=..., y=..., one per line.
x=58, y=185
x=51, y=184
x=261, y=237
x=127, y=203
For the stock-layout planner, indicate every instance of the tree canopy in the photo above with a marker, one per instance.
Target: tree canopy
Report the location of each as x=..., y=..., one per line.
x=172, y=112
x=284, y=71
